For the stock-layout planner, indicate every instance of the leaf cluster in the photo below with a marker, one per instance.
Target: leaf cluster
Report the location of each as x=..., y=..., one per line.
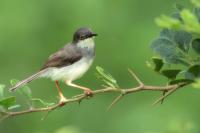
x=106, y=77
x=178, y=45
x=8, y=103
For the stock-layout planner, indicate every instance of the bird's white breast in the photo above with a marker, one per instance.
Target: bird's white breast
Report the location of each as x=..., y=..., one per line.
x=71, y=72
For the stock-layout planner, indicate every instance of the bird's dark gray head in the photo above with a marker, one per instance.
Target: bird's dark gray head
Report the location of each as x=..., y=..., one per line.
x=83, y=33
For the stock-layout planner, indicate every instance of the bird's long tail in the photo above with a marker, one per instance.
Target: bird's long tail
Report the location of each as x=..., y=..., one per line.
x=27, y=80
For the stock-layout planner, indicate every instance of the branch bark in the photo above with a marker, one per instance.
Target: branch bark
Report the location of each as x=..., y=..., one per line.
x=122, y=92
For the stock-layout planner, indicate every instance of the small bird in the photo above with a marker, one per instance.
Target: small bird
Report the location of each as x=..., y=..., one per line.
x=69, y=63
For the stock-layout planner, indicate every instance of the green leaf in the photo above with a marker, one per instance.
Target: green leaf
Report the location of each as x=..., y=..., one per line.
x=176, y=15
x=13, y=82
x=2, y=91
x=149, y=64
x=170, y=73
x=167, y=33
x=166, y=49
x=25, y=90
x=181, y=38
x=7, y=102
x=106, y=77
x=188, y=17
x=158, y=63
x=193, y=72
x=14, y=107
x=180, y=81
x=168, y=22
x=191, y=23
x=196, y=45
x=105, y=74
x=42, y=102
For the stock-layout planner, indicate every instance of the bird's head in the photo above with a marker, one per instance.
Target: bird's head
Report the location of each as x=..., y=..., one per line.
x=83, y=34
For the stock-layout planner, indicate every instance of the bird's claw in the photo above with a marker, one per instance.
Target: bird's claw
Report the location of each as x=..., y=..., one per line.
x=62, y=101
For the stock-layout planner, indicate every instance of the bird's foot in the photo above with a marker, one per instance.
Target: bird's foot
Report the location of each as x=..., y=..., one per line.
x=62, y=101
x=88, y=92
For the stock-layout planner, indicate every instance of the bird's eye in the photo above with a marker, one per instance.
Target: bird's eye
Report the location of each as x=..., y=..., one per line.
x=81, y=37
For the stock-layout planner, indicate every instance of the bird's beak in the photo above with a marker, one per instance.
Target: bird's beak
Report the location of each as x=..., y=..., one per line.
x=94, y=34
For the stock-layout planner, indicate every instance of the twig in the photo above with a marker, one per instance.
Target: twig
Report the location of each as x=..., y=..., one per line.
x=115, y=101
x=135, y=76
x=164, y=96
x=123, y=92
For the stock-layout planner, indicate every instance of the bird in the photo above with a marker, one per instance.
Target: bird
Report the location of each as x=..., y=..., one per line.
x=68, y=64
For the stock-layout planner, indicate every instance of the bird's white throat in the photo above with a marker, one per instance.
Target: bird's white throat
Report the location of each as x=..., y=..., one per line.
x=86, y=43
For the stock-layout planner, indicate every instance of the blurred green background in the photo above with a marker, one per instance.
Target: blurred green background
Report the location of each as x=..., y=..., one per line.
x=30, y=30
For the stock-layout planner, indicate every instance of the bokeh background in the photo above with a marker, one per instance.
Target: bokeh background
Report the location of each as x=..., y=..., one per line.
x=30, y=30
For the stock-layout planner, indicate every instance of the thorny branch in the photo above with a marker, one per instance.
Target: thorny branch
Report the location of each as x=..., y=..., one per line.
x=122, y=92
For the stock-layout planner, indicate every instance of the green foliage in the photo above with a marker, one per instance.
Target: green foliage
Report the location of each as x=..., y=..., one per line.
x=24, y=90
x=190, y=21
x=14, y=107
x=187, y=81
x=106, y=77
x=196, y=45
x=7, y=102
x=173, y=46
x=185, y=20
x=171, y=74
x=40, y=101
x=181, y=38
x=2, y=91
x=179, y=43
x=166, y=49
x=168, y=22
x=10, y=103
x=158, y=63
x=193, y=72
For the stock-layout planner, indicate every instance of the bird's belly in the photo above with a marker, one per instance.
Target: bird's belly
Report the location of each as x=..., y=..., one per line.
x=71, y=72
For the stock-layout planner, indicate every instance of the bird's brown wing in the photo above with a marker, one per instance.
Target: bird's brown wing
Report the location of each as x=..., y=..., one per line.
x=64, y=57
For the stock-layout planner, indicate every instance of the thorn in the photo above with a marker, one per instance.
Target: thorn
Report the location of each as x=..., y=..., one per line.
x=79, y=102
x=114, y=102
x=4, y=117
x=78, y=96
x=135, y=76
x=164, y=96
x=164, y=92
x=45, y=115
x=105, y=86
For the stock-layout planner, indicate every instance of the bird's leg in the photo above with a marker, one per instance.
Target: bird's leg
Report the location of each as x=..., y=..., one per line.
x=86, y=90
x=62, y=98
